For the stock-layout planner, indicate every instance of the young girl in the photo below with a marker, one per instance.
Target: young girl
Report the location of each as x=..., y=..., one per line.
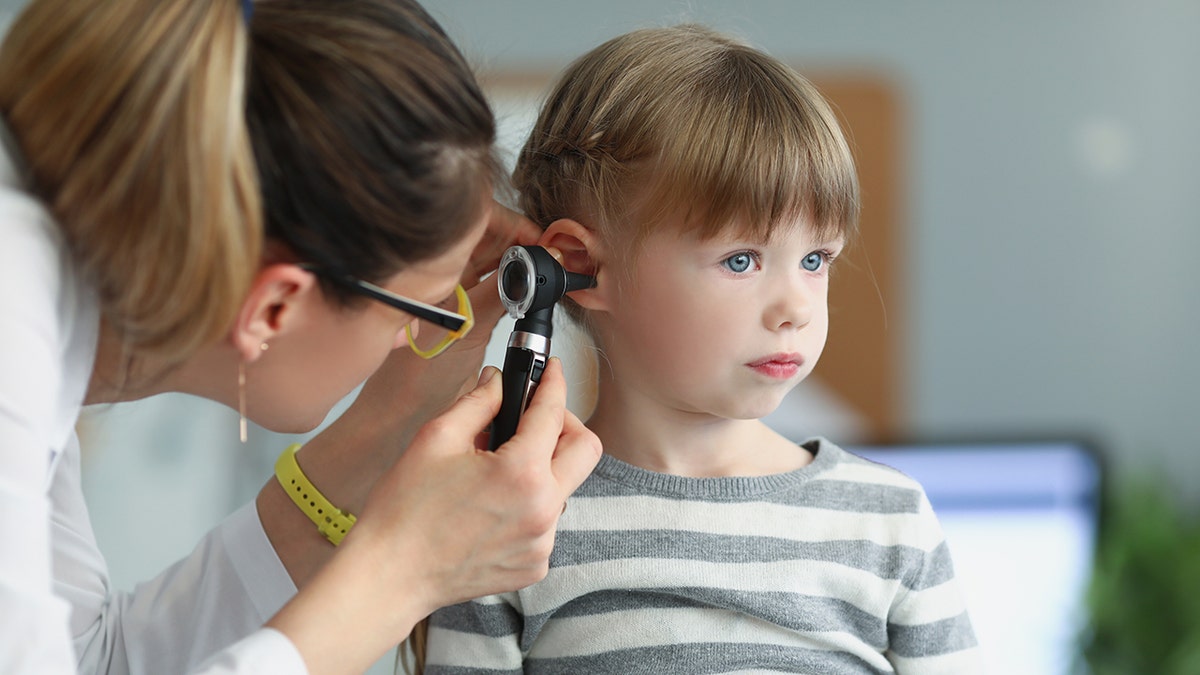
x=709, y=189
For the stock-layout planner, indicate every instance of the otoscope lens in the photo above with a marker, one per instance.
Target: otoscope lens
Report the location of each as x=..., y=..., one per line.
x=516, y=285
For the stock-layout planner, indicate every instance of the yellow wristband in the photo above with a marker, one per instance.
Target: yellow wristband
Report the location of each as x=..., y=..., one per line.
x=331, y=521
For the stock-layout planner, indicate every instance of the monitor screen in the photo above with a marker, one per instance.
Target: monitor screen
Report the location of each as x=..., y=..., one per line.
x=1020, y=519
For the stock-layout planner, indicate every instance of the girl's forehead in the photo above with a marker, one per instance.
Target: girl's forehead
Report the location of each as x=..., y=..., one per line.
x=633, y=235
x=801, y=229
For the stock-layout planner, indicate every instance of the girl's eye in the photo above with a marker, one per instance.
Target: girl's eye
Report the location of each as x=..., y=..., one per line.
x=813, y=261
x=738, y=262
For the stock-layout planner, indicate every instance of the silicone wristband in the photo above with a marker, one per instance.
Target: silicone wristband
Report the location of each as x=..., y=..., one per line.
x=331, y=521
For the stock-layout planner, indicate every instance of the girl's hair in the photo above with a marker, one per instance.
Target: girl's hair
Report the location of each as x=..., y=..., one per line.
x=147, y=127
x=685, y=125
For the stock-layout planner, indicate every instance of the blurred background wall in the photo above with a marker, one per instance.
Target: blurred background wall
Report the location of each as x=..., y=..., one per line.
x=1048, y=220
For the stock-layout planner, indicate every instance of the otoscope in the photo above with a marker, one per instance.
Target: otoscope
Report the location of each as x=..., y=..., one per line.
x=531, y=282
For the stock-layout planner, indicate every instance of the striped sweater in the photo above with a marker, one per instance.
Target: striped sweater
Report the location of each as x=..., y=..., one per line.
x=838, y=567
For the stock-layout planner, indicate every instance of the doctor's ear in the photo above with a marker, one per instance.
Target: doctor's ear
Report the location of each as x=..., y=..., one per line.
x=277, y=297
x=582, y=253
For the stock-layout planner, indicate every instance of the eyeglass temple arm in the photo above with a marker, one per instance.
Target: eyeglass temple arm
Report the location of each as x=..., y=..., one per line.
x=444, y=318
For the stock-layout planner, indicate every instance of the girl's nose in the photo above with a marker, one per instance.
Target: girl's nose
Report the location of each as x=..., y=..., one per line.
x=790, y=308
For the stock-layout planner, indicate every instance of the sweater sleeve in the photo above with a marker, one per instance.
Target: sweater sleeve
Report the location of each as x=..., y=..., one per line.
x=477, y=637
x=929, y=631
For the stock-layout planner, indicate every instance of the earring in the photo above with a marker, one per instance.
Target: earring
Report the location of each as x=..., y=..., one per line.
x=242, y=401
x=242, y=396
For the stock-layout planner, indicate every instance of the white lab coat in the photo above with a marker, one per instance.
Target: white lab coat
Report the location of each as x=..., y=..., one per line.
x=58, y=614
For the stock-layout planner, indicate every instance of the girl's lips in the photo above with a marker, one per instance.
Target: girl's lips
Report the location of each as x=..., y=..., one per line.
x=779, y=366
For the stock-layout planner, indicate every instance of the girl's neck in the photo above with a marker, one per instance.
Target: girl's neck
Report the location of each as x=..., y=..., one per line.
x=650, y=436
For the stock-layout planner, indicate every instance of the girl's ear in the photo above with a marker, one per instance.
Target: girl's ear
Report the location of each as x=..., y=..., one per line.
x=582, y=253
x=272, y=307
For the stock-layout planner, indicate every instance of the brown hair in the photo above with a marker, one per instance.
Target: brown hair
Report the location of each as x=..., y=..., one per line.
x=396, y=147
x=683, y=122
x=147, y=126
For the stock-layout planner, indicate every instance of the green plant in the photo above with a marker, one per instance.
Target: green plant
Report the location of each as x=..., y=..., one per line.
x=1144, y=599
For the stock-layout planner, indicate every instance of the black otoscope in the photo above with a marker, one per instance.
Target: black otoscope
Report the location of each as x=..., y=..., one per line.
x=531, y=282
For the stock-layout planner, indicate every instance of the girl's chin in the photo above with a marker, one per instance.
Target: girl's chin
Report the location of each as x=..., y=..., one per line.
x=753, y=410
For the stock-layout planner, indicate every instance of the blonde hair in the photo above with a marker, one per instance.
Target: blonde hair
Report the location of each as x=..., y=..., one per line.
x=130, y=117
x=688, y=126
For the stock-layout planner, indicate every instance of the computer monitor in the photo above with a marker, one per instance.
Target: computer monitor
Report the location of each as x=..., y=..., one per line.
x=1021, y=521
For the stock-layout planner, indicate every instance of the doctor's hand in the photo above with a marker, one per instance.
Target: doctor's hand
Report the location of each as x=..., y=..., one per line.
x=472, y=522
x=450, y=521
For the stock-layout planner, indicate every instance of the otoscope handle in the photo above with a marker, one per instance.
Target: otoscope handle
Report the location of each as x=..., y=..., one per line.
x=523, y=368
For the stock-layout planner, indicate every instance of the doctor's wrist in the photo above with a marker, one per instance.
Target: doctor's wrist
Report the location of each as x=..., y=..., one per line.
x=343, y=468
x=356, y=591
x=331, y=521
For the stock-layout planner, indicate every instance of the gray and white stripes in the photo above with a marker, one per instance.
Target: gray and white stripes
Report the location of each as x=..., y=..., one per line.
x=839, y=567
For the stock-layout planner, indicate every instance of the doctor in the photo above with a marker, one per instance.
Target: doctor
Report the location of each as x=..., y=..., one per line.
x=259, y=205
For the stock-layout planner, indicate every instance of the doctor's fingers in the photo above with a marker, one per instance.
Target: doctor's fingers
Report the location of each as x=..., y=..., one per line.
x=455, y=430
x=551, y=437
x=576, y=456
x=505, y=228
x=485, y=302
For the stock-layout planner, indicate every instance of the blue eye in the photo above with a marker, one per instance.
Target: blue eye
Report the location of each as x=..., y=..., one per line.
x=813, y=261
x=738, y=262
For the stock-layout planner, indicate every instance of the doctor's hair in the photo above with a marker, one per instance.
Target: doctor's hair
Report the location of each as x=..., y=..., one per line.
x=129, y=117
x=180, y=144
x=396, y=156
x=685, y=127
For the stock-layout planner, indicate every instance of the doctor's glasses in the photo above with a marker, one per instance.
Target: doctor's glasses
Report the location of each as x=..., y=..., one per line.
x=444, y=324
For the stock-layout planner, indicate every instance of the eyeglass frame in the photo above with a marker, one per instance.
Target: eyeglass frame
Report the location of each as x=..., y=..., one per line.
x=457, y=324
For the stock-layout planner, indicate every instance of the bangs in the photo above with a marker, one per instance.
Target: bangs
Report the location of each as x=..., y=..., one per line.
x=755, y=149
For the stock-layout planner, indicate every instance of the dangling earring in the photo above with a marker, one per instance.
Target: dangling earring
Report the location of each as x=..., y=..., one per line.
x=242, y=396
x=242, y=401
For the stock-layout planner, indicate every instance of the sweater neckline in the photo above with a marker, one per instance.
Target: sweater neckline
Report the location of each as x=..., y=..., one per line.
x=722, y=487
